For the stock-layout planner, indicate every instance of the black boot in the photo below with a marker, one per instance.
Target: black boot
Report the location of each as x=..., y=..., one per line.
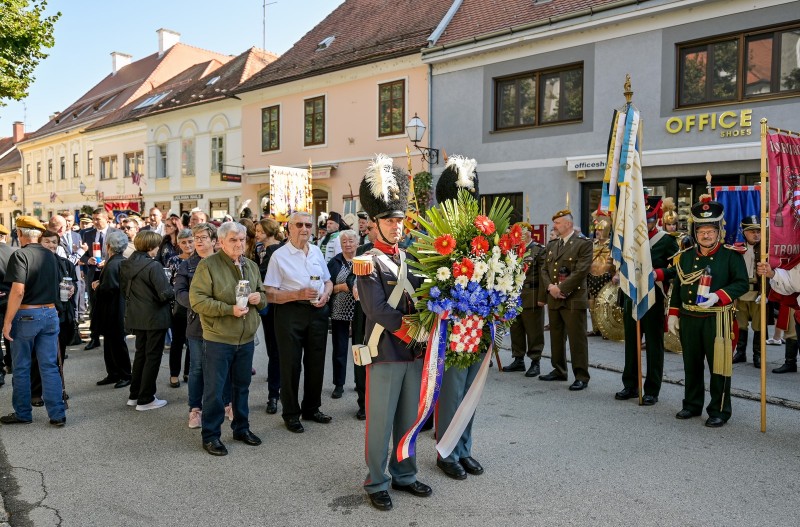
x=741, y=347
x=790, y=366
x=518, y=364
x=757, y=349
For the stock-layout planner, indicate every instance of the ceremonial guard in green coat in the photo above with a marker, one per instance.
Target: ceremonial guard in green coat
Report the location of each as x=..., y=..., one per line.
x=662, y=248
x=710, y=277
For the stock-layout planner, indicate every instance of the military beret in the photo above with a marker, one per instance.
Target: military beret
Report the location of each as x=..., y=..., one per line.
x=29, y=222
x=4, y=229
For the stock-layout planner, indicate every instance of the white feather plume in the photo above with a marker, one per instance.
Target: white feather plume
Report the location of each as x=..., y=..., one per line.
x=466, y=170
x=380, y=177
x=244, y=205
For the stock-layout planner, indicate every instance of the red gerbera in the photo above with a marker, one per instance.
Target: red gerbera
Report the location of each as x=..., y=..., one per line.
x=484, y=224
x=479, y=245
x=516, y=234
x=444, y=244
x=505, y=243
x=463, y=268
x=521, y=250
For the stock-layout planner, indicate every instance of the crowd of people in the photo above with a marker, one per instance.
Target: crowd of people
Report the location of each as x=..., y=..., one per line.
x=209, y=290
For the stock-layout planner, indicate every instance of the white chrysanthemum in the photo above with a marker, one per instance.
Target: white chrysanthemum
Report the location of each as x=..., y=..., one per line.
x=442, y=273
x=496, y=265
x=462, y=280
x=519, y=279
x=496, y=251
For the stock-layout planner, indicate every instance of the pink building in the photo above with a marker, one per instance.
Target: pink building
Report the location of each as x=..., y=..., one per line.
x=342, y=93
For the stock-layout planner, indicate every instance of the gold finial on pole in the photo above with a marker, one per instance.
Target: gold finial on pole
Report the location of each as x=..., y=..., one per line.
x=567, y=207
x=708, y=181
x=627, y=86
x=408, y=156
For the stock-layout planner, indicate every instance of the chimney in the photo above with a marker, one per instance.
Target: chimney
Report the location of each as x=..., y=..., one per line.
x=19, y=131
x=166, y=39
x=119, y=61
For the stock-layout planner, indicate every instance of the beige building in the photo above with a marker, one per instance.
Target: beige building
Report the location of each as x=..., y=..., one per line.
x=61, y=169
x=11, y=176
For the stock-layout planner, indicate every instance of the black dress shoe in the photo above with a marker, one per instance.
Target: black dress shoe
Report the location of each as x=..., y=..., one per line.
x=361, y=415
x=471, y=465
x=452, y=470
x=534, y=370
x=58, y=423
x=649, y=400
x=318, y=417
x=337, y=392
x=215, y=448
x=107, y=380
x=739, y=356
x=94, y=343
x=787, y=367
x=595, y=333
x=294, y=425
x=37, y=402
x=552, y=376
x=625, y=394
x=517, y=364
x=578, y=385
x=714, y=422
x=685, y=414
x=12, y=419
x=122, y=383
x=381, y=500
x=272, y=405
x=174, y=384
x=417, y=488
x=248, y=438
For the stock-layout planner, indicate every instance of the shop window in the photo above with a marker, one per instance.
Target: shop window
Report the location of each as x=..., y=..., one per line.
x=539, y=97
x=758, y=64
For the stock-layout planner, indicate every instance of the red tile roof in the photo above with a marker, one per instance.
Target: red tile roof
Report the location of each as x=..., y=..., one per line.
x=364, y=31
x=477, y=18
x=193, y=86
x=115, y=91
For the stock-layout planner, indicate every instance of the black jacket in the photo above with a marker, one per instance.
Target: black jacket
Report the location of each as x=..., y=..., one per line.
x=147, y=293
x=110, y=301
x=183, y=279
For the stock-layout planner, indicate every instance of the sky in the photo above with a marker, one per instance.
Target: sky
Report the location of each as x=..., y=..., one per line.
x=89, y=30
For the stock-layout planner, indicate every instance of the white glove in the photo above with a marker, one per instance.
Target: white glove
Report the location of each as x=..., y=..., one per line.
x=713, y=298
x=673, y=324
x=758, y=299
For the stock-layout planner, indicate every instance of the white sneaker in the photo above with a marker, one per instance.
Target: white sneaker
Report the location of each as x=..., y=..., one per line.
x=229, y=412
x=132, y=402
x=195, y=418
x=152, y=405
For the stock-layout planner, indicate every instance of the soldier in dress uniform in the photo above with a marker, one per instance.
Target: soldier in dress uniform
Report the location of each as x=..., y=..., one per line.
x=527, y=330
x=662, y=248
x=459, y=173
x=747, y=310
x=703, y=311
x=563, y=289
x=602, y=268
x=395, y=375
x=669, y=217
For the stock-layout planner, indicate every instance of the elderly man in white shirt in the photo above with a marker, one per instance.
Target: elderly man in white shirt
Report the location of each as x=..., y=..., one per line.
x=785, y=282
x=298, y=287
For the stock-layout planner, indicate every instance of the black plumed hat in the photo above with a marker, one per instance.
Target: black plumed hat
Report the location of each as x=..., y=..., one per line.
x=384, y=189
x=459, y=172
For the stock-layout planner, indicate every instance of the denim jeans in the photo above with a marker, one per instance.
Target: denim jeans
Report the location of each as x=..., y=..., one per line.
x=196, y=376
x=220, y=362
x=36, y=331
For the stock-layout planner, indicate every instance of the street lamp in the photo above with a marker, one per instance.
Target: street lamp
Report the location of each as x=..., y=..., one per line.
x=82, y=188
x=415, y=129
x=14, y=198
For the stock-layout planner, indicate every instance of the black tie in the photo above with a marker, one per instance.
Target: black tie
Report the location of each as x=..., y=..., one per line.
x=102, y=247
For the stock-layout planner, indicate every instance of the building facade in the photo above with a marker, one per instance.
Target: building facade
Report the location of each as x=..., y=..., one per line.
x=541, y=95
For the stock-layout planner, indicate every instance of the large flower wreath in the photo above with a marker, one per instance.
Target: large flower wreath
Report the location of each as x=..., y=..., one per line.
x=474, y=269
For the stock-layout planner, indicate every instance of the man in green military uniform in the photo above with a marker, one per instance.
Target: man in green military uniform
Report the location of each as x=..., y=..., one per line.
x=662, y=248
x=706, y=323
x=563, y=288
x=527, y=330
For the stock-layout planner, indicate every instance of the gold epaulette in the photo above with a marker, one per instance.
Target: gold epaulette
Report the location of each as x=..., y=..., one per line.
x=677, y=256
x=736, y=248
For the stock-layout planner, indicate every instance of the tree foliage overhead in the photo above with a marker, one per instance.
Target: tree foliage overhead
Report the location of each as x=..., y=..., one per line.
x=24, y=33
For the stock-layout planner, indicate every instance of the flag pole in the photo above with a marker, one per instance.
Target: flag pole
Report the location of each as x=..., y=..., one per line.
x=764, y=256
x=628, y=103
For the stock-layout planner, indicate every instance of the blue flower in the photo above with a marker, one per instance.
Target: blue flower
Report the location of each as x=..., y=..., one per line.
x=472, y=286
x=435, y=292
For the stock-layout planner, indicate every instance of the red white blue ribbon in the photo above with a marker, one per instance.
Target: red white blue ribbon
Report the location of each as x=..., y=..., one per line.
x=432, y=371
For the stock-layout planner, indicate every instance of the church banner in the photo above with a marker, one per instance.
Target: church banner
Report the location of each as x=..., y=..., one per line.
x=783, y=155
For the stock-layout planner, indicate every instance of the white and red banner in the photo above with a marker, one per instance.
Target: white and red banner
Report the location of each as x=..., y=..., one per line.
x=783, y=156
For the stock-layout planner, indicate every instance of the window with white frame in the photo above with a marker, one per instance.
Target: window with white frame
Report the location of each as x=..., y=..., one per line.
x=108, y=167
x=217, y=154
x=161, y=162
x=187, y=157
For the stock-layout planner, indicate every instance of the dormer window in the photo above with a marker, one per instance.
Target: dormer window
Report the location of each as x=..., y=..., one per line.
x=212, y=81
x=150, y=101
x=326, y=43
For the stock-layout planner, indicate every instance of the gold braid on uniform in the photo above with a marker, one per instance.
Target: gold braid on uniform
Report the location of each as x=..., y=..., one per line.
x=723, y=343
x=688, y=278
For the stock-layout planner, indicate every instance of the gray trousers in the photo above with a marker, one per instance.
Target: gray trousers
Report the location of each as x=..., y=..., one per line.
x=455, y=384
x=392, y=400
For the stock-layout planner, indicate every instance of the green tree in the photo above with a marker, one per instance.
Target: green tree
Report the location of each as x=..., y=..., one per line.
x=24, y=33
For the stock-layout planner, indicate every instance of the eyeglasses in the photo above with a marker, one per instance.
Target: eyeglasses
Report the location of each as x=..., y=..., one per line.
x=128, y=228
x=202, y=238
x=300, y=225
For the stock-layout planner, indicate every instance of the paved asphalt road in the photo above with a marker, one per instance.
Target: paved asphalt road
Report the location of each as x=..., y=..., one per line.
x=552, y=457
